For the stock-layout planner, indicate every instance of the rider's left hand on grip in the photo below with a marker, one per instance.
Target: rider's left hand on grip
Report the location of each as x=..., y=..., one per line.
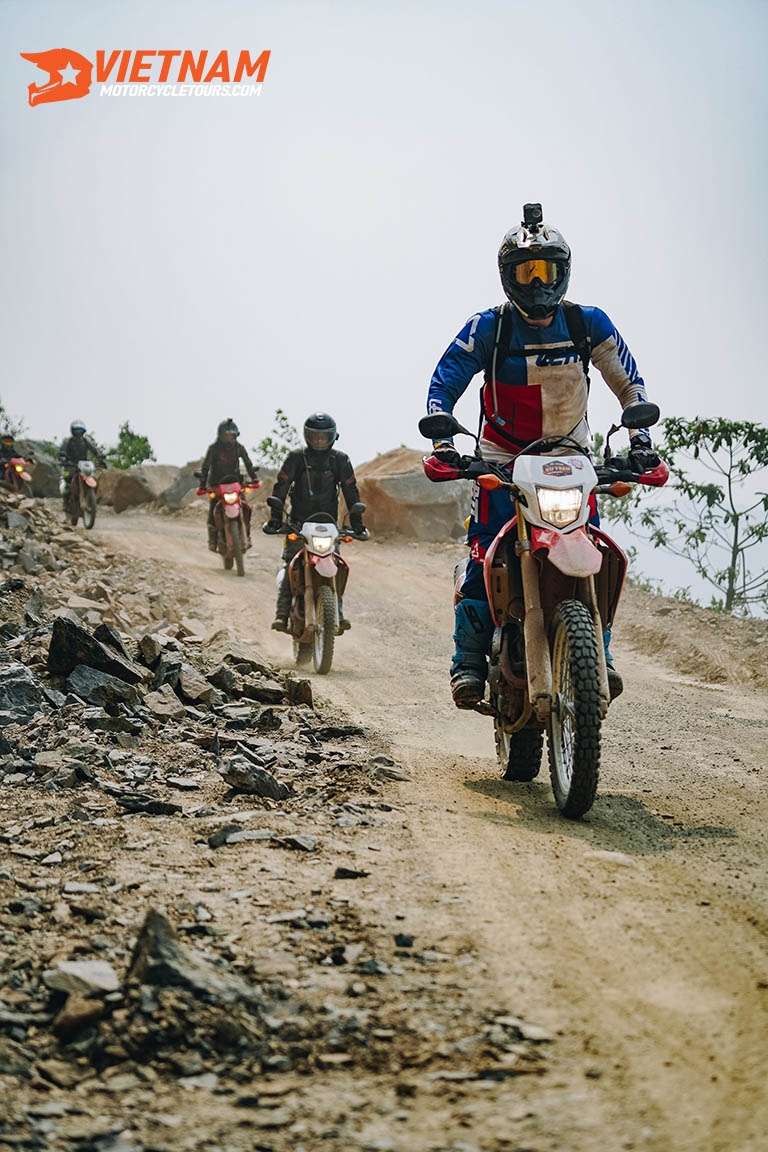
x=437, y=470
x=657, y=476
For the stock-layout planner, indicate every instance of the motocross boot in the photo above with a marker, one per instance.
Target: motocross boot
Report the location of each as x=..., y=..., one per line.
x=344, y=624
x=615, y=682
x=472, y=638
x=283, y=606
x=213, y=538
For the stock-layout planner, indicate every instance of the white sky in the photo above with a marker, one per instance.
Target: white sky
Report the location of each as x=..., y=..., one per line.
x=175, y=261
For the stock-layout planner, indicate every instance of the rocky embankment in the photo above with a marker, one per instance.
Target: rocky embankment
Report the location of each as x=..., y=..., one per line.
x=185, y=936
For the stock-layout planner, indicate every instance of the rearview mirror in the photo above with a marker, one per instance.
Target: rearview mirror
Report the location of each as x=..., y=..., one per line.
x=640, y=415
x=440, y=426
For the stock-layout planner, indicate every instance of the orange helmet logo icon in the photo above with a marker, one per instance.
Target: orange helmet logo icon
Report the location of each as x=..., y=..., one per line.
x=69, y=75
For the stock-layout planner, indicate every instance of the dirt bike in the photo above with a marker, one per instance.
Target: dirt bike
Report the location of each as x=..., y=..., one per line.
x=16, y=477
x=83, y=486
x=232, y=517
x=318, y=577
x=553, y=583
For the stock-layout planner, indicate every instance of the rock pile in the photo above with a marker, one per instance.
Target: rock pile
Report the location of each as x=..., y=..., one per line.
x=180, y=828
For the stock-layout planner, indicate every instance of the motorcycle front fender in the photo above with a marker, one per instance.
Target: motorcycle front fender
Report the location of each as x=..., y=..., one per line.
x=326, y=566
x=89, y=480
x=26, y=476
x=232, y=511
x=572, y=552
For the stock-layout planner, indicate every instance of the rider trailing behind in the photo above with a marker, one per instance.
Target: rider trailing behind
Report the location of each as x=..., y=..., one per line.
x=312, y=477
x=535, y=352
x=76, y=448
x=221, y=466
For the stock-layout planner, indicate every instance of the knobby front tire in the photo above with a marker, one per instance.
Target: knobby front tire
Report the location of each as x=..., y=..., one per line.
x=574, y=724
x=325, y=629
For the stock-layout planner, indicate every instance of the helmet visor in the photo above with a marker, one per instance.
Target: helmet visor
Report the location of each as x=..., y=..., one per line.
x=548, y=271
x=319, y=438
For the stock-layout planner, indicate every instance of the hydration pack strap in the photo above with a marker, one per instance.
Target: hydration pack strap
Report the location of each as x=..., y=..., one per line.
x=577, y=330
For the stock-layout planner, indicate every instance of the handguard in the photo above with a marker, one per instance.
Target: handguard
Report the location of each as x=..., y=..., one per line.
x=437, y=470
x=657, y=477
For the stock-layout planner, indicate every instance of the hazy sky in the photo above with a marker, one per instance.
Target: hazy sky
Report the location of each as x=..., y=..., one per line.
x=176, y=261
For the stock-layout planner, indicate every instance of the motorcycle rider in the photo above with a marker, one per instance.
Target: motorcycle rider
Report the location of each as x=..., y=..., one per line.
x=7, y=449
x=535, y=353
x=77, y=447
x=221, y=465
x=312, y=476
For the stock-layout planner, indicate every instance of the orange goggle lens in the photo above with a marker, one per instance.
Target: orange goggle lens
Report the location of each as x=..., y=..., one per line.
x=544, y=270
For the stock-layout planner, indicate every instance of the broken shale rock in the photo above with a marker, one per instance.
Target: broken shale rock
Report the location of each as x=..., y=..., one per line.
x=160, y=959
x=244, y=776
x=72, y=644
x=100, y=688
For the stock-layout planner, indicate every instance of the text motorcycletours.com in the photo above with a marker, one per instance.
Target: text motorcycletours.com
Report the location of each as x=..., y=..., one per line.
x=181, y=89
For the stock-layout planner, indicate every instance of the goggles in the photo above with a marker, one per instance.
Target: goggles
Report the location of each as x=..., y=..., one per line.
x=548, y=271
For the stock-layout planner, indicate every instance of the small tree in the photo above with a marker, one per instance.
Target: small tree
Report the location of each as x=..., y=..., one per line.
x=10, y=423
x=284, y=438
x=713, y=523
x=130, y=448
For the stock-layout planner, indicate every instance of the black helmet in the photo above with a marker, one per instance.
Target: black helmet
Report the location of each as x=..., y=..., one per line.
x=320, y=431
x=535, y=265
x=228, y=430
x=77, y=428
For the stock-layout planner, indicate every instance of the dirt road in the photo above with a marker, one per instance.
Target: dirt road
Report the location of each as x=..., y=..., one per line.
x=636, y=935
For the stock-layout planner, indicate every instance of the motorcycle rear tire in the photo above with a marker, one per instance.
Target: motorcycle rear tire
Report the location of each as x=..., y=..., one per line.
x=519, y=753
x=325, y=629
x=302, y=653
x=237, y=546
x=573, y=728
x=88, y=508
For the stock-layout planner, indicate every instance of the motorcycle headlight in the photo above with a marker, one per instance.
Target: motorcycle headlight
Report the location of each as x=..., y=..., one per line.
x=230, y=497
x=559, y=506
x=19, y=467
x=321, y=544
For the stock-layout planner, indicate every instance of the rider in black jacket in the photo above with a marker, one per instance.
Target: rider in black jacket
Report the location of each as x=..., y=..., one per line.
x=221, y=466
x=312, y=476
x=75, y=448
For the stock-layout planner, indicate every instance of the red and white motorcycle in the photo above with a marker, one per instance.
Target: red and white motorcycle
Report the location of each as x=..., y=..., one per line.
x=553, y=583
x=232, y=517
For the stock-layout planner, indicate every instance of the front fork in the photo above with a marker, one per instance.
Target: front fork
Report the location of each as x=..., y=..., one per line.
x=537, y=656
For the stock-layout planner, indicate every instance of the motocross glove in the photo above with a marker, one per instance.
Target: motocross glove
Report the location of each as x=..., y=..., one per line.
x=641, y=456
x=446, y=454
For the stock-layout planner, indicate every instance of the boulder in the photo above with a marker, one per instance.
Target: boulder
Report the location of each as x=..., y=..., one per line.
x=164, y=704
x=409, y=504
x=72, y=644
x=44, y=470
x=129, y=487
x=185, y=483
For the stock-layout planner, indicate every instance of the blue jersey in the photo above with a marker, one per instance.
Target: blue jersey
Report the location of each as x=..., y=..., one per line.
x=537, y=385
